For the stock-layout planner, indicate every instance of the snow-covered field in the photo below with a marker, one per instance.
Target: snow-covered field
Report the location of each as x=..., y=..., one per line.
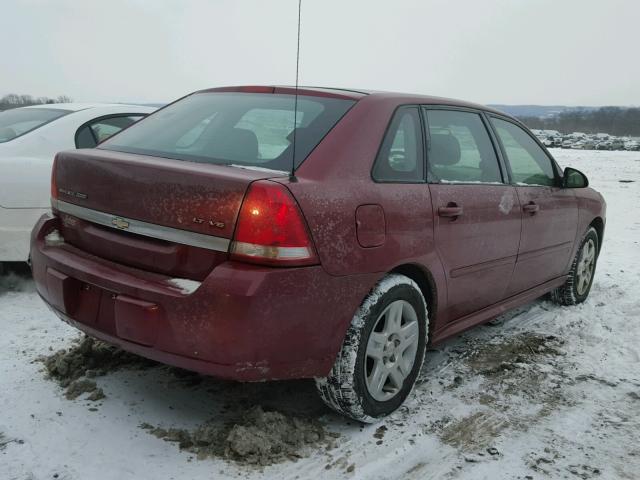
x=543, y=392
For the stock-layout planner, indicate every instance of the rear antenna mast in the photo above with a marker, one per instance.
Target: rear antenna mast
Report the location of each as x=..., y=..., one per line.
x=292, y=176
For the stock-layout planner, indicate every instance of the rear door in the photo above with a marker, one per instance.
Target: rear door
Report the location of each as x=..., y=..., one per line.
x=549, y=212
x=476, y=212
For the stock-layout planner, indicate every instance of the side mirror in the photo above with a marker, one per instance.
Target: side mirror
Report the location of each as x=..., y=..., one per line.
x=573, y=178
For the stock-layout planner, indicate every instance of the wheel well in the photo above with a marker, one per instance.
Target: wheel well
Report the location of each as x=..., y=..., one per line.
x=598, y=224
x=427, y=286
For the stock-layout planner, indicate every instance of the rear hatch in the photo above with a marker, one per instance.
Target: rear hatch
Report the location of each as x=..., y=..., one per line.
x=164, y=194
x=167, y=216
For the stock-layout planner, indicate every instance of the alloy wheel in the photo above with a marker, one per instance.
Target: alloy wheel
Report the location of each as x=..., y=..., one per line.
x=586, y=264
x=391, y=350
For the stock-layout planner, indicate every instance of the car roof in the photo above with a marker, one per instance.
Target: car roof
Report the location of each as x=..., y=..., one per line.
x=357, y=94
x=434, y=100
x=76, y=107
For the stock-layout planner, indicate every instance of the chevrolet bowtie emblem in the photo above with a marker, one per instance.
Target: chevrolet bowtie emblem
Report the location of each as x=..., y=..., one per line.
x=120, y=223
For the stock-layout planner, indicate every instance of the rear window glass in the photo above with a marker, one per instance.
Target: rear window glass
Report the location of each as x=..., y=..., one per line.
x=19, y=121
x=234, y=128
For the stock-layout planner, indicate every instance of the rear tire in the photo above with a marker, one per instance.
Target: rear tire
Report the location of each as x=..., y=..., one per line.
x=583, y=269
x=382, y=352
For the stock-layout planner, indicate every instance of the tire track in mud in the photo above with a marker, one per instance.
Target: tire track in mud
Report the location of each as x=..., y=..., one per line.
x=515, y=380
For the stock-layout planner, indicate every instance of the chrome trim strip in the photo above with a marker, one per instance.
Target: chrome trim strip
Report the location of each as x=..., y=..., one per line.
x=169, y=234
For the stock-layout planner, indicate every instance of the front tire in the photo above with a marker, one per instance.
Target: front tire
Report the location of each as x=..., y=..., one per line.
x=578, y=284
x=382, y=352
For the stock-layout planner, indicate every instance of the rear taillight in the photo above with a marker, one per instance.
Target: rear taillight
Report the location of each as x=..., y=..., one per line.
x=271, y=229
x=54, y=184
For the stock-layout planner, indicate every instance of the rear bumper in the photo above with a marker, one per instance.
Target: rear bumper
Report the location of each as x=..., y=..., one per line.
x=243, y=322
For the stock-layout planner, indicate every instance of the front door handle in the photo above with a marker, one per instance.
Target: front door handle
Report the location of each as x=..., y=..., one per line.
x=451, y=210
x=531, y=208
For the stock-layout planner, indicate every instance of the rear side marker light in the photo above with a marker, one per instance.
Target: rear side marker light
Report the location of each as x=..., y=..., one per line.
x=271, y=229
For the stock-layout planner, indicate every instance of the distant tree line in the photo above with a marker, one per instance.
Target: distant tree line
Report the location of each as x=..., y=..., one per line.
x=13, y=101
x=612, y=120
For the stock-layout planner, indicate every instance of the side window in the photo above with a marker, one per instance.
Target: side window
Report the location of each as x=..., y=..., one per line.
x=103, y=129
x=92, y=133
x=401, y=155
x=530, y=165
x=459, y=149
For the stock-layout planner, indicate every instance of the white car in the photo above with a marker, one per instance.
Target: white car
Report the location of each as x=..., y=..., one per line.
x=29, y=139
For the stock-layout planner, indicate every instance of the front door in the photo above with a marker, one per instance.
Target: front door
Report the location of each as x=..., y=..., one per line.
x=477, y=213
x=549, y=212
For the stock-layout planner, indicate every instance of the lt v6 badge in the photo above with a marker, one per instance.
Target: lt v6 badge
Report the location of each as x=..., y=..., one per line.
x=212, y=223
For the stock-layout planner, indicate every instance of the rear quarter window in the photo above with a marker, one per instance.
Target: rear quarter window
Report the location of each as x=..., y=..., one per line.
x=401, y=154
x=99, y=129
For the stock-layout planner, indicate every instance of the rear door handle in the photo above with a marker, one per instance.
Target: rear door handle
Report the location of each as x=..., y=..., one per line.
x=531, y=208
x=451, y=210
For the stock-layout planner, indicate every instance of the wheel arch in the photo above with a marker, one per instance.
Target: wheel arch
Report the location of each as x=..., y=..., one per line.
x=427, y=284
x=598, y=224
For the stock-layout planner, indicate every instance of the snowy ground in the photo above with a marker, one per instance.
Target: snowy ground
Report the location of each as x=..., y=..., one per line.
x=543, y=392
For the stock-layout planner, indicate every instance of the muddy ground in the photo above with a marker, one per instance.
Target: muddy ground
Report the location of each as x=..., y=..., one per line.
x=474, y=391
x=499, y=373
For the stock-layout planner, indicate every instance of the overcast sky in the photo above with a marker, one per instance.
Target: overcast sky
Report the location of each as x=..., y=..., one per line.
x=569, y=52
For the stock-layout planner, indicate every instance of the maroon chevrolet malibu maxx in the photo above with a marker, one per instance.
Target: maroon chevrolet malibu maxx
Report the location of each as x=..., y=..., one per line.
x=235, y=234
